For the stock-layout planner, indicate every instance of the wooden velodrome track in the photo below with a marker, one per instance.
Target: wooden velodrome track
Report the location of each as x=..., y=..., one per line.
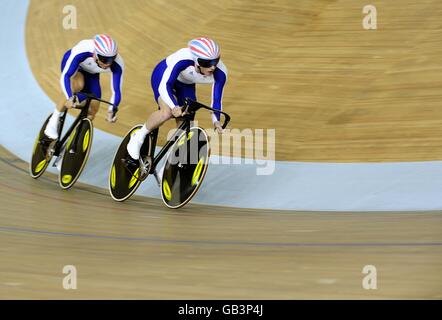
x=139, y=250
x=333, y=91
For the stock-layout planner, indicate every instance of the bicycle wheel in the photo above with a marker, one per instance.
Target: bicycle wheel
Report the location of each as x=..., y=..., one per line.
x=185, y=168
x=41, y=155
x=76, y=153
x=125, y=176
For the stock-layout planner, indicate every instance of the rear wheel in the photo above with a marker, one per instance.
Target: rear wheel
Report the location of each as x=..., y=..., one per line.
x=41, y=153
x=185, y=168
x=125, y=176
x=76, y=153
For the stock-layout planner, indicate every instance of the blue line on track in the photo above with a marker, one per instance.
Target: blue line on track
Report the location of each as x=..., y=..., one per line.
x=225, y=242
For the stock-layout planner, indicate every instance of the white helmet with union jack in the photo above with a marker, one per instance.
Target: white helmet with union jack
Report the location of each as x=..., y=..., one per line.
x=205, y=52
x=105, y=48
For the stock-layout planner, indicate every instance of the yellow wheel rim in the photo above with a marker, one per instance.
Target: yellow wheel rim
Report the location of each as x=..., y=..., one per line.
x=113, y=177
x=40, y=166
x=166, y=190
x=66, y=179
x=181, y=141
x=189, y=136
x=197, y=171
x=70, y=140
x=134, y=178
x=86, y=141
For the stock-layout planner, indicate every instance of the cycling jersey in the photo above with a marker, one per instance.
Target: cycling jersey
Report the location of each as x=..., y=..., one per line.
x=174, y=79
x=80, y=58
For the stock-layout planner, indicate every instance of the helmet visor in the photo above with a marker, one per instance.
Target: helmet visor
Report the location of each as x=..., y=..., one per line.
x=106, y=60
x=208, y=63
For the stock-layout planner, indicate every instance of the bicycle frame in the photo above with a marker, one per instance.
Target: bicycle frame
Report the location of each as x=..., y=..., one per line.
x=83, y=114
x=191, y=107
x=60, y=143
x=130, y=172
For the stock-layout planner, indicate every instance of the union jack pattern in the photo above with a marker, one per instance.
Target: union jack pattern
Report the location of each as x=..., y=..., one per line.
x=105, y=46
x=204, y=48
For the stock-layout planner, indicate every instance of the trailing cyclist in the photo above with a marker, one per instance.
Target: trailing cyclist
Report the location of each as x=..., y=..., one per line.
x=80, y=71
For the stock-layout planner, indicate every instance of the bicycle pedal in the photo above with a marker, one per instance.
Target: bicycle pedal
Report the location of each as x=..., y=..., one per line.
x=142, y=176
x=130, y=165
x=46, y=141
x=144, y=168
x=48, y=146
x=146, y=162
x=128, y=161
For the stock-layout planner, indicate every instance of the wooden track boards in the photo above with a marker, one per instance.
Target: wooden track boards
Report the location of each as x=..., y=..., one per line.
x=139, y=249
x=332, y=90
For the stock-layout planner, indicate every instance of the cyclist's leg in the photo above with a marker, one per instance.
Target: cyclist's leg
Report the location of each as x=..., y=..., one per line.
x=160, y=116
x=77, y=84
x=183, y=91
x=156, y=119
x=164, y=112
x=91, y=85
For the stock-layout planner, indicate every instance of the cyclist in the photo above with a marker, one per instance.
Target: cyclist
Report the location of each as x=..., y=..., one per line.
x=80, y=71
x=174, y=79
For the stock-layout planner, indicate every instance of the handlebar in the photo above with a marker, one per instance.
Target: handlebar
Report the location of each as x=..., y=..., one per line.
x=193, y=106
x=90, y=96
x=190, y=106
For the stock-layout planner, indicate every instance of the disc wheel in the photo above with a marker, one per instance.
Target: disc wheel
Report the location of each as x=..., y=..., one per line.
x=41, y=155
x=125, y=176
x=185, y=168
x=76, y=153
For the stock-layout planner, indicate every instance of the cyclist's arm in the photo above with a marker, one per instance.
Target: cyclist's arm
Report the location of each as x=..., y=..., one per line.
x=220, y=78
x=70, y=69
x=169, y=77
x=117, y=80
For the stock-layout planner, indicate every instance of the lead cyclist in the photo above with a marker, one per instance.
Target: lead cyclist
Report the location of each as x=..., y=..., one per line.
x=175, y=78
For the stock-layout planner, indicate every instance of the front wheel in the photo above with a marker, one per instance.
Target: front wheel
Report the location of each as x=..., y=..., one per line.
x=76, y=153
x=185, y=168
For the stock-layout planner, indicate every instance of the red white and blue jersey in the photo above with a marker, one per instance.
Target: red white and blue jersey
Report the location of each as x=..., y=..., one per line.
x=180, y=66
x=80, y=57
